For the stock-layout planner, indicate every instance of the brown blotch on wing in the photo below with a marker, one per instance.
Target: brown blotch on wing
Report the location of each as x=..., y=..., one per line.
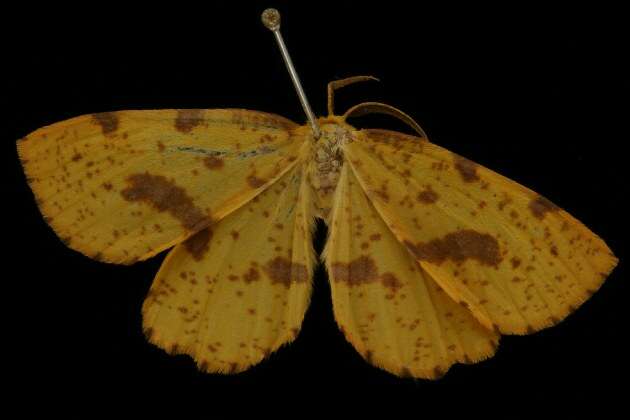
x=541, y=206
x=213, y=162
x=466, y=168
x=281, y=270
x=361, y=270
x=107, y=120
x=459, y=246
x=187, y=119
x=164, y=195
x=198, y=244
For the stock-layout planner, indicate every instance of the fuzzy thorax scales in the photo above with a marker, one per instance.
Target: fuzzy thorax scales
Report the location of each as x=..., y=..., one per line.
x=325, y=164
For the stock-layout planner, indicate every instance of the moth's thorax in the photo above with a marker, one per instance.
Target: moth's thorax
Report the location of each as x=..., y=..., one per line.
x=326, y=160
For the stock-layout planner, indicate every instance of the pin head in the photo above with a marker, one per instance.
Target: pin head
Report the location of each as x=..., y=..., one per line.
x=271, y=19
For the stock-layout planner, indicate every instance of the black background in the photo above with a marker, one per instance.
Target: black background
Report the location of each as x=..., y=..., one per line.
x=538, y=95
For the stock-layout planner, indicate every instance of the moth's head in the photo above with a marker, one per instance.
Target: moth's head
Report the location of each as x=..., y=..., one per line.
x=334, y=130
x=333, y=122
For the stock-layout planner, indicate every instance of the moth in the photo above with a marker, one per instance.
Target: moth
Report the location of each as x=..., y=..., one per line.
x=431, y=257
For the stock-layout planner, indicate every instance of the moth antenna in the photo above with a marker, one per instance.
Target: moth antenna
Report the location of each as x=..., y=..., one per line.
x=379, y=108
x=337, y=84
x=271, y=19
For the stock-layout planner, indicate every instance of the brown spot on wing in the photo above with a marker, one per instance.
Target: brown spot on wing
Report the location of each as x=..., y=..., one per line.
x=361, y=270
x=428, y=196
x=255, y=182
x=251, y=276
x=107, y=120
x=541, y=206
x=213, y=162
x=198, y=244
x=459, y=246
x=187, y=119
x=164, y=195
x=466, y=168
x=390, y=281
x=76, y=157
x=281, y=270
x=515, y=262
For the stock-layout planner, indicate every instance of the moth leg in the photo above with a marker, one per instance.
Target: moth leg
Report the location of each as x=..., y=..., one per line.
x=380, y=108
x=336, y=84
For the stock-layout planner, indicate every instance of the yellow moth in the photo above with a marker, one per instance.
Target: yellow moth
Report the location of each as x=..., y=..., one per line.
x=430, y=256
